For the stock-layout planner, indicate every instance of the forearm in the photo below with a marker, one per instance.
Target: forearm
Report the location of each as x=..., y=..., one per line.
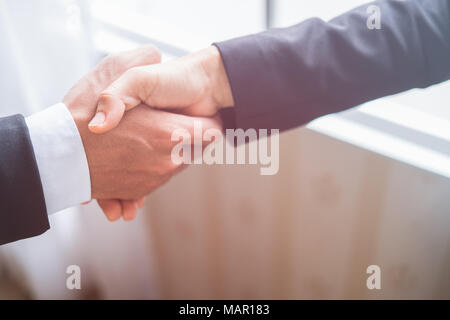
x=286, y=77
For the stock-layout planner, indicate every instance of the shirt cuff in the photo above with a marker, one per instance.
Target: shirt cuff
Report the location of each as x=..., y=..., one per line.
x=60, y=158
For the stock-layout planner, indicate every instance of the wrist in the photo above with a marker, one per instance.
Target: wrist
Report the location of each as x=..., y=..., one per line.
x=218, y=78
x=81, y=117
x=60, y=158
x=81, y=120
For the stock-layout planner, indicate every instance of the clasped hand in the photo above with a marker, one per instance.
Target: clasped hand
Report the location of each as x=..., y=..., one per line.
x=129, y=156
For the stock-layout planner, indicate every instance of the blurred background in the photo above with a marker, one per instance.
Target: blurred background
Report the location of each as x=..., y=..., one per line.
x=362, y=187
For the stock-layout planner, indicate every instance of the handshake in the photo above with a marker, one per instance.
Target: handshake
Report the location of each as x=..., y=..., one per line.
x=126, y=110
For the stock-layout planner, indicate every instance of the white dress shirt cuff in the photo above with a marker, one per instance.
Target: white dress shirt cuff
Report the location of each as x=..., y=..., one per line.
x=60, y=158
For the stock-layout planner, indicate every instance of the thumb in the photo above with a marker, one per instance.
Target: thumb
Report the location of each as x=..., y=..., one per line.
x=123, y=94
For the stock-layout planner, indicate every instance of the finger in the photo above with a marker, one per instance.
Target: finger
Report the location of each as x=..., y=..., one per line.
x=110, y=112
x=141, y=202
x=113, y=66
x=111, y=208
x=123, y=94
x=129, y=209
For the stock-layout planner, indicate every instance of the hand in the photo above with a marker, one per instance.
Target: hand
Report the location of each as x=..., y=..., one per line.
x=196, y=84
x=82, y=98
x=134, y=159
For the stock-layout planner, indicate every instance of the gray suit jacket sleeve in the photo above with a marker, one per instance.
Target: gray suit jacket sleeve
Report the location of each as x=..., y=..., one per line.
x=284, y=78
x=22, y=206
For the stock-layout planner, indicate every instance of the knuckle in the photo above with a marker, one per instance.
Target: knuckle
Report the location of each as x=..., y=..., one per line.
x=103, y=96
x=152, y=52
x=156, y=53
x=135, y=72
x=115, y=59
x=113, y=64
x=161, y=170
x=147, y=187
x=108, y=61
x=168, y=168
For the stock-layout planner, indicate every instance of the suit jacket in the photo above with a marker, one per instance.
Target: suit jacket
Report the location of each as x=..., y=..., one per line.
x=23, y=212
x=284, y=78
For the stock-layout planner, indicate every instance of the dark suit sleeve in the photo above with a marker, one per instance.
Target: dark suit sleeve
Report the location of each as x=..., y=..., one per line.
x=284, y=78
x=22, y=206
